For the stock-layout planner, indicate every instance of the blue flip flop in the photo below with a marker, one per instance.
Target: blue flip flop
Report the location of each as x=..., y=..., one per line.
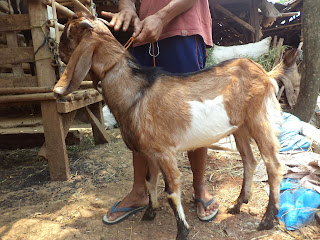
x=205, y=205
x=128, y=212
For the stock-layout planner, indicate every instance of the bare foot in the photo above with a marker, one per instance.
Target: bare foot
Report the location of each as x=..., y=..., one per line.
x=133, y=199
x=203, y=194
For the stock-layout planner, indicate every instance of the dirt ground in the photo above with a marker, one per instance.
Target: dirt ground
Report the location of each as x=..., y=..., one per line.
x=32, y=207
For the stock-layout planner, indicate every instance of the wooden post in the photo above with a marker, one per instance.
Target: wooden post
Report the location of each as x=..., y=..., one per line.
x=275, y=40
x=279, y=52
x=52, y=120
x=254, y=20
x=67, y=120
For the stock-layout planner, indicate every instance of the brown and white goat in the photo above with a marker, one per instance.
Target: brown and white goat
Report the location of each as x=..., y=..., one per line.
x=161, y=113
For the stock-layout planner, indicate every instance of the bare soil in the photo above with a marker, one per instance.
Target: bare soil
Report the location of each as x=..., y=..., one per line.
x=32, y=207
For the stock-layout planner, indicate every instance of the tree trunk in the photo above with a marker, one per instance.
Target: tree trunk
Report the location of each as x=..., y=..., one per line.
x=310, y=82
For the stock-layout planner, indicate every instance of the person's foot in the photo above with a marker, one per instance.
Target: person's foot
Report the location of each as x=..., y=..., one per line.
x=133, y=199
x=202, y=211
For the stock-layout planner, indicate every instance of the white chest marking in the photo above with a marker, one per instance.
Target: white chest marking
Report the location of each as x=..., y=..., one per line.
x=210, y=122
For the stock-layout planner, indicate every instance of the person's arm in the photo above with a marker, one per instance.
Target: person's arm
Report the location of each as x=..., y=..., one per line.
x=153, y=25
x=127, y=15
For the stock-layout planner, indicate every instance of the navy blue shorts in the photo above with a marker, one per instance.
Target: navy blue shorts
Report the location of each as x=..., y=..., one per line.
x=178, y=54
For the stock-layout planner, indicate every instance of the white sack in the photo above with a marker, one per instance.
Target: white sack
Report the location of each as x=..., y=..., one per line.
x=109, y=120
x=250, y=50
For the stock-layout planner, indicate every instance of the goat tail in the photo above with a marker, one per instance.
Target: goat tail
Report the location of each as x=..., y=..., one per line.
x=288, y=61
x=273, y=110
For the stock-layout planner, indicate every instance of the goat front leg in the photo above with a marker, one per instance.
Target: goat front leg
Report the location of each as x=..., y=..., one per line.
x=249, y=165
x=152, y=183
x=171, y=176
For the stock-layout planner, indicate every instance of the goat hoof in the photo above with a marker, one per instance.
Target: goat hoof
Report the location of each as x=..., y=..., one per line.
x=149, y=214
x=265, y=225
x=183, y=234
x=234, y=209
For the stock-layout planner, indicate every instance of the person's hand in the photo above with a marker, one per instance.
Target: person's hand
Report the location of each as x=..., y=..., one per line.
x=150, y=29
x=124, y=18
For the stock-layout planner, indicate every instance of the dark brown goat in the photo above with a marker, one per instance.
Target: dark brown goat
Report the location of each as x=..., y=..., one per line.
x=161, y=113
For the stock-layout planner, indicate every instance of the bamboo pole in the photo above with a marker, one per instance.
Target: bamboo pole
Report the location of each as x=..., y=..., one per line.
x=289, y=14
x=22, y=90
x=4, y=5
x=281, y=27
x=51, y=23
x=27, y=97
x=59, y=7
x=55, y=20
x=234, y=17
x=31, y=90
x=81, y=6
x=45, y=96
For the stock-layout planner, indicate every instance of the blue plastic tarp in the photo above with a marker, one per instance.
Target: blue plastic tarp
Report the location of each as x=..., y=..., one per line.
x=297, y=205
x=290, y=137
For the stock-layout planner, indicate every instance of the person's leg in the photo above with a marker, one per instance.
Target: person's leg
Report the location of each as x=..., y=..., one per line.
x=185, y=55
x=138, y=197
x=198, y=159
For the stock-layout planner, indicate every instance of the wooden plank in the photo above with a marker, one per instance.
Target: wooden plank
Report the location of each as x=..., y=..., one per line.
x=234, y=17
x=12, y=40
x=27, y=137
x=14, y=22
x=16, y=55
x=11, y=82
x=65, y=107
x=100, y=132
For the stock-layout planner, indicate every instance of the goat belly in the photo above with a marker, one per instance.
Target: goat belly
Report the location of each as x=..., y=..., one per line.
x=209, y=123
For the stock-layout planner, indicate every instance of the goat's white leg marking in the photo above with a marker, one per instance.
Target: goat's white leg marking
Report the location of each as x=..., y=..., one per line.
x=176, y=200
x=210, y=122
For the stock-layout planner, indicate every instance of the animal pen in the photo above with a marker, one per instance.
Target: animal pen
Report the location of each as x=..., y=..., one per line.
x=28, y=72
x=18, y=85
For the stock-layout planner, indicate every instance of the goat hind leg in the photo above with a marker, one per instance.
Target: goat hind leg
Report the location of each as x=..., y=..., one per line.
x=267, y=144
x=152, y=183
x=249, y=165
x=274, y=178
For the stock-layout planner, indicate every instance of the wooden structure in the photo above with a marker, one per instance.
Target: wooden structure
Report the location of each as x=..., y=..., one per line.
x=288, y=26
x=19, y=87
x=240, y=21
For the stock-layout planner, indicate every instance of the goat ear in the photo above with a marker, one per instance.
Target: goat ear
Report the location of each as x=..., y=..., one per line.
x=77, y=68
x=85, y=24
